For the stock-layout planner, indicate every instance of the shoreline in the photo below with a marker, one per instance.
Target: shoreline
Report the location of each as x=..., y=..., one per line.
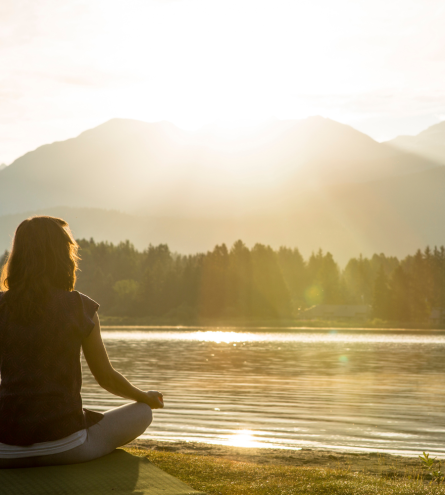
x=270, y=325
x=275, y=329
x=373, y=463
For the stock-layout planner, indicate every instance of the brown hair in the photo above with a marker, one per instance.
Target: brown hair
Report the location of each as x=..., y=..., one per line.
x=43, y=255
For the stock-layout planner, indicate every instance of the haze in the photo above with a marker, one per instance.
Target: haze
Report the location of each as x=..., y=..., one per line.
x=68, y=66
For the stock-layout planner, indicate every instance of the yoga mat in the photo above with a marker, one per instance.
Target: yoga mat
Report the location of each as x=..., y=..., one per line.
x=118, y=473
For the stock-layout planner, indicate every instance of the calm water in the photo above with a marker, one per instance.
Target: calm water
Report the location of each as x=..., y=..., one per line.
x=373, y=392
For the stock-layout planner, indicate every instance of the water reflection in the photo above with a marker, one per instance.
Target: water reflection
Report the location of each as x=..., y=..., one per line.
x=244, y=438
x=381, y=392
x=219, y=336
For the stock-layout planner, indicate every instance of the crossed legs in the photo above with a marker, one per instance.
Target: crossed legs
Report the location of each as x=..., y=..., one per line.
x=118, y=427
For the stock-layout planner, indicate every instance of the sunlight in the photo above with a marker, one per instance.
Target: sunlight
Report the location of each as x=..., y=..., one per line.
x=192, y=62
x=243, y=438
x=322, y=335
x=218, y=337
x=275, y=58
x=233, y=127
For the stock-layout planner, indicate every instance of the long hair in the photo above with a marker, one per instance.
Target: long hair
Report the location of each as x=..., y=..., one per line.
x=43, y=256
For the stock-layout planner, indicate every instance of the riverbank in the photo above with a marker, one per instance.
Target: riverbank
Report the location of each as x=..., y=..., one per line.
x=370, y=463
x=225, y=470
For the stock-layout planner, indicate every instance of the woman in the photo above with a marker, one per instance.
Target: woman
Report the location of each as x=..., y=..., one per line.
x=44, y=323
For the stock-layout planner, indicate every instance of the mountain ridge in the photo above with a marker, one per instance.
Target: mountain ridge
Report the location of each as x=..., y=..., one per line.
x=159, y=169
x=310, y=184
x=429, y=143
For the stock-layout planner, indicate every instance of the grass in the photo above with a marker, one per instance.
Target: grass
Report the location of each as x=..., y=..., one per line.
x=214, y=475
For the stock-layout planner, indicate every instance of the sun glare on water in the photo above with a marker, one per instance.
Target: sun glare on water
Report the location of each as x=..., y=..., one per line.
x=219, y=337
x=243, y=438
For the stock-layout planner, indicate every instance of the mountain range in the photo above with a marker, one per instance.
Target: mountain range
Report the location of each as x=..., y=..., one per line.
x=430, y=143
x=310, y=183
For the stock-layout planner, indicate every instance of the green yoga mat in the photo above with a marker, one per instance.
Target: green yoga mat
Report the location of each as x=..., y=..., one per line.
x=118, y=473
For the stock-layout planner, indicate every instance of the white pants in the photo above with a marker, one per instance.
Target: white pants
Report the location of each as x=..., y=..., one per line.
x=118, y=427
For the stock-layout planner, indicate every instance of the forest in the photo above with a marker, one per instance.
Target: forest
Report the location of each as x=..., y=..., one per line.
x=256, y=283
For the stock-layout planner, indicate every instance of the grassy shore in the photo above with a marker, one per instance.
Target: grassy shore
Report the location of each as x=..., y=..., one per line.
x=223, y=470
x=268, y=324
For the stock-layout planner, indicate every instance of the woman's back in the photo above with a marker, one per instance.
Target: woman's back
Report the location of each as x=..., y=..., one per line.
x=44, y=323
x=41, y=372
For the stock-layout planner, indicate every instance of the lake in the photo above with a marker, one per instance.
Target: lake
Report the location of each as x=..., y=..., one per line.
x=356, y=391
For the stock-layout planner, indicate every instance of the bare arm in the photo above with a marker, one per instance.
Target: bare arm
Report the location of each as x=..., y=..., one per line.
x=110, y=379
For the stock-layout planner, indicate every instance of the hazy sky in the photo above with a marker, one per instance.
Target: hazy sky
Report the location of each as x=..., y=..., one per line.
x=66, y=65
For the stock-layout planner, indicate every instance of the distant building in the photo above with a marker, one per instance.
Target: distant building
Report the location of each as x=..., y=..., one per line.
x=337, y=312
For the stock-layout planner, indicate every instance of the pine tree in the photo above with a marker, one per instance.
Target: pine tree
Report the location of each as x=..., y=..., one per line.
x=400, y=295
x=293, y=268
x=270, y=297
x=381, y=296
x=213, y=284
x=240, y=281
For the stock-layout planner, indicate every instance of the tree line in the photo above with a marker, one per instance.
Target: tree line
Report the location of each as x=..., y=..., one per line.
x=256, y=283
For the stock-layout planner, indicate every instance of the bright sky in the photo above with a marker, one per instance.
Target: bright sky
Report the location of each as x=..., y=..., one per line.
x=67, y=65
